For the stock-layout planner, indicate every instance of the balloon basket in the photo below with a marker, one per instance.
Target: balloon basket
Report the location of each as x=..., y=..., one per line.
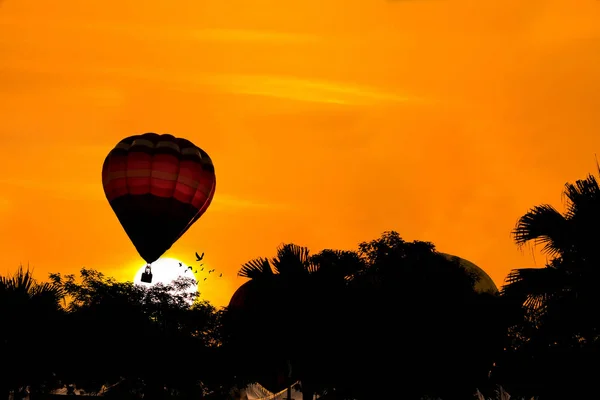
x=147, y=275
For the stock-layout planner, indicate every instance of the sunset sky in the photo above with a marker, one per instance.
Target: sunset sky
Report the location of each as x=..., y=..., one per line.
x=328, y=122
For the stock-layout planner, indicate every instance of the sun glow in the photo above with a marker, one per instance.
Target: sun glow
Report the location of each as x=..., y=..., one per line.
x=165, y=271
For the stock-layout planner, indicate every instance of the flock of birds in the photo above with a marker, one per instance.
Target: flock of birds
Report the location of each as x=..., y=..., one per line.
x=195, y=271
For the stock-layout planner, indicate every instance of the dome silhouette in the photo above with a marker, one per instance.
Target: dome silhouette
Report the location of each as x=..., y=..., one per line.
x=245, y=292
x=484, y=283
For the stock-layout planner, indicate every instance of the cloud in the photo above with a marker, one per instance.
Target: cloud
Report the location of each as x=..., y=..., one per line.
x=308, y=90
x=294, y=88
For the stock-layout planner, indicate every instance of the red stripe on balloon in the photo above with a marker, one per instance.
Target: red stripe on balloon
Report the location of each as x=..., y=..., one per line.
x=167, y=164
x=139, y=161
x=114, y=187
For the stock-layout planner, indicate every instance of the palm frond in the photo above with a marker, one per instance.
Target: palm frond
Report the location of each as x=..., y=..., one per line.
x=499, y=394
x=582, y=189
x=23, y=289
x=337, y=262
x=257, y=268
x=533, y=281
x=543, y=225
x=312, y=267
x=22, y=281
x=583, y=199
x=533, y=288
x=291, y=259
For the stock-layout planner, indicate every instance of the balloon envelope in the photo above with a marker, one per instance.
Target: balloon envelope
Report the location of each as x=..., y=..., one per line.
x=158, y=186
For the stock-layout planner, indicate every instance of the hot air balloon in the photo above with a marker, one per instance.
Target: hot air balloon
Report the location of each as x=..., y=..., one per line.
x=158, y=186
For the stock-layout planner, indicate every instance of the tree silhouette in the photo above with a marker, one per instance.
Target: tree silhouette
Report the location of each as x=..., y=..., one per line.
x=325, y=315
x=355, y=322
x=154, y=336
x=563, y=293
x=560, y=320
x=275, y=284
x=296, y=292
x=29, y=312
x=415, y=314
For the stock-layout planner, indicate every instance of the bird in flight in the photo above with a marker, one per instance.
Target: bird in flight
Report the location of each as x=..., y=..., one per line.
x=199, y=258
x=195, y=271
x=202, y=269
x=221, y=275
x=190, y=268
x=204, y=278
x=180, y=265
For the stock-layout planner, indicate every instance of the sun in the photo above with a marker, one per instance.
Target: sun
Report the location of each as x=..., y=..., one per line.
x=166, y=270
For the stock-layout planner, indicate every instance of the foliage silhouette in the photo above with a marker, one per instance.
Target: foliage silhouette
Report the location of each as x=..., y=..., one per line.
x=559, y=321
x=288, y=297
x=416, y=310
x=127, y=332
x=27, y=308
x=343, y=318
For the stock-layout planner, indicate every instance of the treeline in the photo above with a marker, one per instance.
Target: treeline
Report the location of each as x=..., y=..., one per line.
x=393, y=319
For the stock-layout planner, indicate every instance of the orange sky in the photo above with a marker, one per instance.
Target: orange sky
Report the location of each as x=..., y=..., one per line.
x=328, y=122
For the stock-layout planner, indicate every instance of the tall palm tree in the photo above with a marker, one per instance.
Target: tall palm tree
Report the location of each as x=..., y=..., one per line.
x=298, y=291
x=562, y=297
x=28, y=311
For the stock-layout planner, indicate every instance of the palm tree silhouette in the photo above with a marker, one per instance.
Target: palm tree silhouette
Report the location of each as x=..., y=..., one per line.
x=27, y=308
x=299, y=292
x=556, y=331
x=278, y=278
x=563, y=294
